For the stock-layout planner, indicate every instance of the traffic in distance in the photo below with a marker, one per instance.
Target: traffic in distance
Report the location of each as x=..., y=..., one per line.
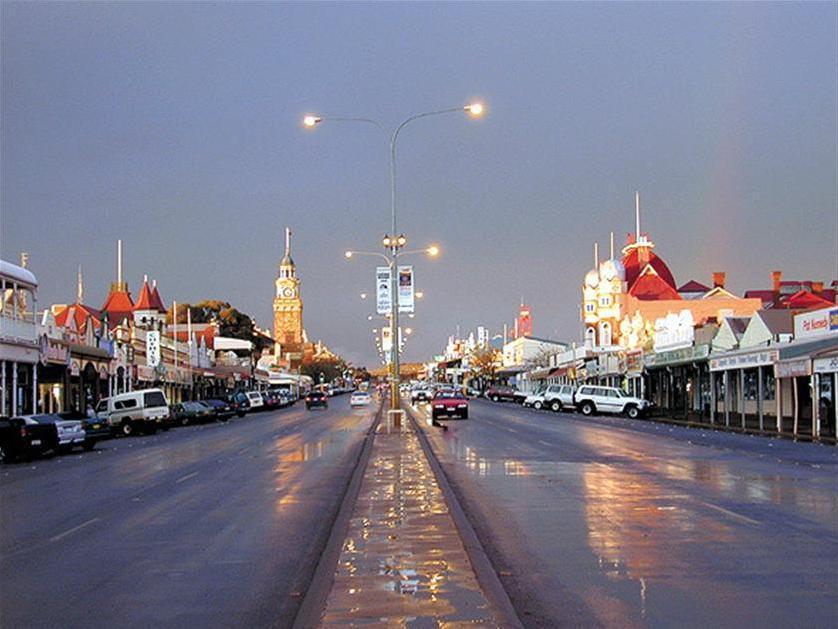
x=26, y=437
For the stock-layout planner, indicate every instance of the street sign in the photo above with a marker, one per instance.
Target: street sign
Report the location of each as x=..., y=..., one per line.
x=406, y=289
x=383, y=297
x=152, y=348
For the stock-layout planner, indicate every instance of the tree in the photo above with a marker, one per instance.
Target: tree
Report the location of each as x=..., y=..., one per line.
x=541, y=357
x=330, y=370
x=483, y=363
x=231, y=322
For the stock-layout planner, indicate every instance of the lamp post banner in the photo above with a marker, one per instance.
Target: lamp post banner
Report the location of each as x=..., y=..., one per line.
x=406, y=289
x=382, y=290
x=152, y=348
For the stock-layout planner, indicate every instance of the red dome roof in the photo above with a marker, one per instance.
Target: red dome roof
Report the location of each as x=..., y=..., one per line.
x=634, y=267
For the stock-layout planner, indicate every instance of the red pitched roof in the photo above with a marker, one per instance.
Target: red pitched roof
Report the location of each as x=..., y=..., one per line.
x=117, y=306
x=634, y=267
x=146, y=299
x=693, y=287
x=156, y=300
x=804, y=300
x=651, y=287
x=80, y=314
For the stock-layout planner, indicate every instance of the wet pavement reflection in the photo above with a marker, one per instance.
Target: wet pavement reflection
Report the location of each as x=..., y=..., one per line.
x=611, y=526
x=402, y=562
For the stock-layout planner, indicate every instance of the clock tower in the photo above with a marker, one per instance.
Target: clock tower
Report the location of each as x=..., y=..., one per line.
x=288, y=309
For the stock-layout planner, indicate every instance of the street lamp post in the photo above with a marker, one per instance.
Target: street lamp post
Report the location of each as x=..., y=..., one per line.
x=395, y=242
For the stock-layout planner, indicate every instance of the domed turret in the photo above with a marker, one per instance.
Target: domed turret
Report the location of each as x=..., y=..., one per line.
x=611, y=270
x=592, y=279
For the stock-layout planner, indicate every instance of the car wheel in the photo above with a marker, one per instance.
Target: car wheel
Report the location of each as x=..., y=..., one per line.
x=127, y=428
x=538, y=406
x=632, y=411
x=240, y=414
x=3, y=455
x=555, y=406
x=184, y=421
x=89, y=445
x=465, y=415
x=150, y=430
x=495, y=398
x=587, y=408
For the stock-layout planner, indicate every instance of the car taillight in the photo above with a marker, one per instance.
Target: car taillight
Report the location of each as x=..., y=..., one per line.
x=23, y=432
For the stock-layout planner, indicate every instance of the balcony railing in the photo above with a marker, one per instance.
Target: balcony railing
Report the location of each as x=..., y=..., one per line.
x=18, y=331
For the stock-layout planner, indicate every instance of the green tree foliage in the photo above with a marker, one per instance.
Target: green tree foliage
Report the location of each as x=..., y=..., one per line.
x=231, y=321
x=329, y=369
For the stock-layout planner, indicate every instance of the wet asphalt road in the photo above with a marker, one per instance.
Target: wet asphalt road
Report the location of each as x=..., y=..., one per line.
x=620, y=523
x=204, y=526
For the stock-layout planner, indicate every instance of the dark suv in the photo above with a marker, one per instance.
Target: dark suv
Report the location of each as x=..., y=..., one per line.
x=317, y=398
x=22, y=439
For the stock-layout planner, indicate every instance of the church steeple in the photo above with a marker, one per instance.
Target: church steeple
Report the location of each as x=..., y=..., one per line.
x=286, y=265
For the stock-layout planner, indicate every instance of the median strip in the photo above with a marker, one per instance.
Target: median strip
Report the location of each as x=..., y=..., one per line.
x=73, y=530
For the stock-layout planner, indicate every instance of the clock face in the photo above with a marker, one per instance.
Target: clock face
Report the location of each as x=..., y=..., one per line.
x=288, y=292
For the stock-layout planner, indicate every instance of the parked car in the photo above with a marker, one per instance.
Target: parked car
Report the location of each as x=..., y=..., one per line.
x=271, y=400
x=239, y=402
x=590, y=399
x=143, y=410
x=558, y=397
x=192, y=413
x=360, y=398
x=95, y=428
x=421, y=394
x=449, y=403
x=70, y=431
x=255, y=400
x=505, y=394
x=536, y=400
x=317, y=399
x=221, y=410
x=22, y=439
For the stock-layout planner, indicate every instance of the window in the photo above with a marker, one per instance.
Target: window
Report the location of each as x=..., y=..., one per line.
x=605, y=301
x=590, y=307
x=154, y=398
x=123, y=404
x=102, y=406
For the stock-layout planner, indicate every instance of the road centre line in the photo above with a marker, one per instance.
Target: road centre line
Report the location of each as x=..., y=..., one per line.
x=73, y=530
x=187, y=477
x=729, y=513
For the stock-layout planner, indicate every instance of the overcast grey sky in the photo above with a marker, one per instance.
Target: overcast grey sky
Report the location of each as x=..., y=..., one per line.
x=177, y=128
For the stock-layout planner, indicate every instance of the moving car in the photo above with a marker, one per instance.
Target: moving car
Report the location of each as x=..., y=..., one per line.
x=316, y=399
x=134, y=411
x=595, y=399
x=448, y=403
x=421, y=394
x=22, y=439
x=360, y=398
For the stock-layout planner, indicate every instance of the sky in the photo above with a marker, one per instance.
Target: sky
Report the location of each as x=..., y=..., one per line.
x=177, y=127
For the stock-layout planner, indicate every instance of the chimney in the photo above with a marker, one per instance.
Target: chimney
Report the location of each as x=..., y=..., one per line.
x=817, y=288
x=776, y=277
x=718, y=279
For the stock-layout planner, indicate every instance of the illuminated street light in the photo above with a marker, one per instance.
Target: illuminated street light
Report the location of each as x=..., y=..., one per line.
x=433, y=251
x=310, y=121
x=363, y=295
x=475, y=110
x=348, y=254
x=419, y=294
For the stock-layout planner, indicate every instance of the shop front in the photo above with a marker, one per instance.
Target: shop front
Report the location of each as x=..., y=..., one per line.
x=679, y=383
x=742, y=391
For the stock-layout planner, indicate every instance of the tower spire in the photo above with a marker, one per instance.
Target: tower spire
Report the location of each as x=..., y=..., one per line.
x=637, y=216
x=596, y=255
x=288, y=242
x=79, y=287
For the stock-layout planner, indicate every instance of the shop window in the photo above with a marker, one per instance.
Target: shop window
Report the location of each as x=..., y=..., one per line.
x=750, y=390
x=768, y=385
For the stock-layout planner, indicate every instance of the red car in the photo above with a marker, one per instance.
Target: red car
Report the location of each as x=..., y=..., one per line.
x=449, y=404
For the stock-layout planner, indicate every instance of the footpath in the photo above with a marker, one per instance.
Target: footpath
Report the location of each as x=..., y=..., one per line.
x=403, y=562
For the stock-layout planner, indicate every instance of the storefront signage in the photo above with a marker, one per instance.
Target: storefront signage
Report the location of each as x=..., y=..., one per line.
x=739, y=361
x=825, y=365
x=676, y=356
x=674, y=331
x=152, y=348
x=634, y=361
x=816, y=323
x=793, y=368
x=54, y=351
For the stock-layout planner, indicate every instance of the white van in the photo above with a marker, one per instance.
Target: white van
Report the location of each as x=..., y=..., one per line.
x=255, y=400
x=143, y=410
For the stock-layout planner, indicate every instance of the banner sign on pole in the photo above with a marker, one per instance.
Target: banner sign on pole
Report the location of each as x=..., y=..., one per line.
x=386, y=341
x=406, y=289
x=382, y=290
x=152, y=348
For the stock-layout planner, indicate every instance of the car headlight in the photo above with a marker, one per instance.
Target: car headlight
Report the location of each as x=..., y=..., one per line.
x=462, y=405
x=439, y=405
